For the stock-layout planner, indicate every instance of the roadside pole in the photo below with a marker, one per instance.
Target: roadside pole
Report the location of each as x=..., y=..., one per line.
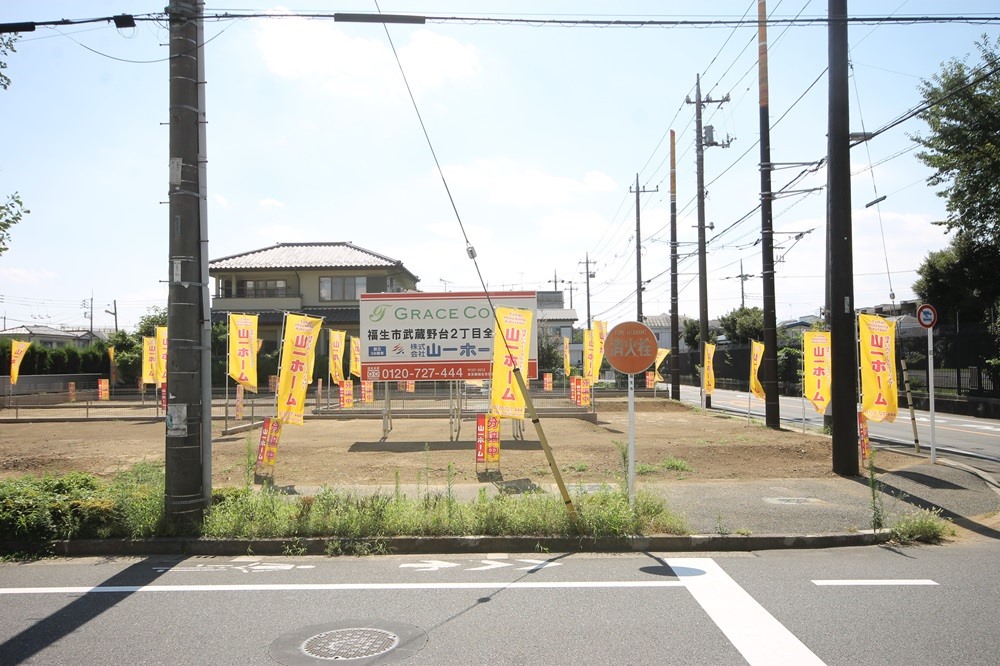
x=630, y=349
x=927, y=317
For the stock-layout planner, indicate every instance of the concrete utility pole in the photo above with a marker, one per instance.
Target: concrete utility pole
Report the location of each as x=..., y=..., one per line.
x=589, y=274
x=769, y=364
x=840, y=263
x=700, y=142
x=638, y=249
x=188, y=440
x=114, y=311
x=675, y=345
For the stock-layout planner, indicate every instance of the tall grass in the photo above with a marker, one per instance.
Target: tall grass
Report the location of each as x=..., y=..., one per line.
x=130, y=505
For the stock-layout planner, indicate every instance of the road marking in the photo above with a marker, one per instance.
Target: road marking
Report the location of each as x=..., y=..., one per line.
x=256, y=567
x=428, y=565
x=438, y=565
x=491, y=564
x=752, y=630
x=862, y=582
x=327, y=587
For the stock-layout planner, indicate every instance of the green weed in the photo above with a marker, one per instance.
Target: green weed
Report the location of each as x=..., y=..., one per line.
x=676, y=465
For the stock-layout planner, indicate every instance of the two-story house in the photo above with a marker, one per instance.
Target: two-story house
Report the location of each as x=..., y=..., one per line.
x=318, y=279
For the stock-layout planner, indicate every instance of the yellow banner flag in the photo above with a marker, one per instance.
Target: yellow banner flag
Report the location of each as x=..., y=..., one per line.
x=17, y=352
x=816, y=369
x=708, y=380
x=756, y=356
x=600, y=334
x=243, y=350
x=297, y=344
x=356, y=357
x=161, y=354
x=589, y=344
x=566, y=365
x=149, y=360
x=879, y=391
x=511, y=342
x=337, y=341
x=111, y=355
x=661, y=356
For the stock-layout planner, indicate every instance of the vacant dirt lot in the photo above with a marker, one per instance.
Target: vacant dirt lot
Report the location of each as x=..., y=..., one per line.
x=713, y=445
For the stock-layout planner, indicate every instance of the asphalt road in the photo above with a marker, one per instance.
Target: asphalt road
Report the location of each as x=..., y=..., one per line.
x=976, y=440
x=927, y=605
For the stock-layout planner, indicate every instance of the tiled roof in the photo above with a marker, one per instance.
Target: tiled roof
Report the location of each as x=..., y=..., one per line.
x=39, y=330
x=303, y=256
x=331, y=315
x=557, y=314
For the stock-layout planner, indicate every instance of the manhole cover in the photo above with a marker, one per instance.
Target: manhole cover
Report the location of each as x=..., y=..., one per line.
x=358, y=641
x=350, y=644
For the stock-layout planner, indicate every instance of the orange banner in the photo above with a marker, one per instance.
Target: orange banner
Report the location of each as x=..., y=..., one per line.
x=17, y=352
x=816, y=369
x=267, y=449
x=103, y=389
x=161, y=354
x=756, y=356
x=337, y=341
x=511, y=341
x=356, y=357
x=149, y=361
x=243, y=350
x=708, y=381
x=600, y=334
x=566, y=366
x=879, y=391
x=298, y=343
x=661, y=355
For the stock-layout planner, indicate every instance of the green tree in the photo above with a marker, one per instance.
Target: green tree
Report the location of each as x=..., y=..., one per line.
x=960, y=278
x=691, y=333
x=743, y=324
x=963, y=142
x=11, y=210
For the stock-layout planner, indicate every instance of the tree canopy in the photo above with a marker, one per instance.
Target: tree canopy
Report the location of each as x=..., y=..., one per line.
x=11, y=210
x=963, y=142
x=743, y=324
x=961, y=277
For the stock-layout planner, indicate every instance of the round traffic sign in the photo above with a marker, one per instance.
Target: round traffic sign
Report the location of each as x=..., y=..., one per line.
x=927, y=315
x=630, y=347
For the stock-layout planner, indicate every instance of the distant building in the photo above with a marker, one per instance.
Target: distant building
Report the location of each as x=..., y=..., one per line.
x=554, y=320
x=46, y=336
x=318, y=279
x=660, y=325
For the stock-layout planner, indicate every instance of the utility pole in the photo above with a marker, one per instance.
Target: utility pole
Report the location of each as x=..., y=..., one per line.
x=701, y=141
x=88, y=311
x=114, y=312
x=840, y=264
x=742, y=277
x=188, y=449
x=638, y=248
x=769, y=364
x=589, y=274
x=555, y=281
x=675, y=345
x=570, y=283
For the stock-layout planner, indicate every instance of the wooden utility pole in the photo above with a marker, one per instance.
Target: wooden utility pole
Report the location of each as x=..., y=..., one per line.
x=188, y=448
x=840, y=261
x=675, y=345
x=638, y=248
x=589, y=274
x=699, y=144
x=769, y=364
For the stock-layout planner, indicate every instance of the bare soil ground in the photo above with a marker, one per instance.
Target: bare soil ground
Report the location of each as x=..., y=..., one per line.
x=714, y=445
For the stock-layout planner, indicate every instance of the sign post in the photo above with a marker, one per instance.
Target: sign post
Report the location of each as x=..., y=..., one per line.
x=630, y=348
x=927, y=316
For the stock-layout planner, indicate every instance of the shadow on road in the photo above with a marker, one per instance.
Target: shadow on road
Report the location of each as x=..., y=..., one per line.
x=76, y=614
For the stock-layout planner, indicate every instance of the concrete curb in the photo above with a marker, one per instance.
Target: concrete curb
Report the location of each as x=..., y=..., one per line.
x=456, y=545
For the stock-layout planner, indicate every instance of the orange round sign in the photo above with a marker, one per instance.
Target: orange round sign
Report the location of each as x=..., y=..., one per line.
x=630, y=347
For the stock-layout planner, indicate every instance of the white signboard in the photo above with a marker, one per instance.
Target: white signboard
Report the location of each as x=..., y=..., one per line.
x=425, y=336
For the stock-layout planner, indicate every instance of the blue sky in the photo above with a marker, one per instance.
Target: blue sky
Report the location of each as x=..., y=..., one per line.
x=540, y=131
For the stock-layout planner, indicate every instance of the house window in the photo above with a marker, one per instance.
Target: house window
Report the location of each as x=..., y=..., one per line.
x=341, y=288
x=261, y=289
